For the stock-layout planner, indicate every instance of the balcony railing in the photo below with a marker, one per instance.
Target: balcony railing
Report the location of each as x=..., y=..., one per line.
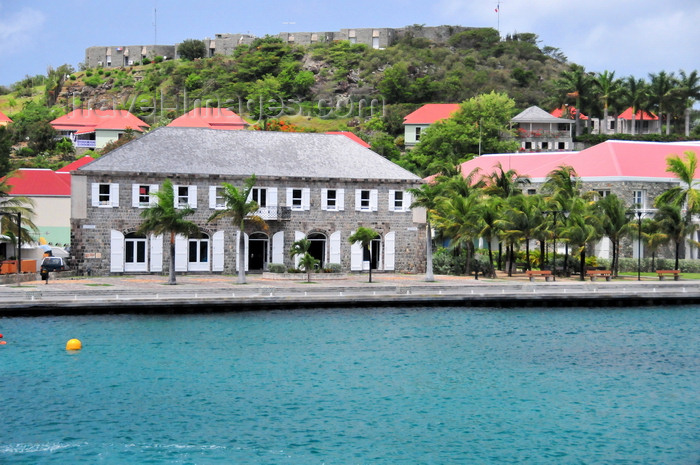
x=535, y=134
x=274, y=213
x=85, y=143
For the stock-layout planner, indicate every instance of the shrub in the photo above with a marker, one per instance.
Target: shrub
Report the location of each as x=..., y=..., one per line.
x=276, y=268
x=93, y=81
x=332, y=268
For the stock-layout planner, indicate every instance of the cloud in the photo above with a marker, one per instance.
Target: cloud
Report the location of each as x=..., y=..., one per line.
x=18, y=28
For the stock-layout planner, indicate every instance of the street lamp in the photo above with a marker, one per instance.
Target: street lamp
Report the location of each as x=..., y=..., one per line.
x=554, y=213
x=639, y=214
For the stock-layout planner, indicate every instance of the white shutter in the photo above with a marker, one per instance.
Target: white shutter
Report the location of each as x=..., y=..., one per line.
x=335, y=247
x=135, y=195
x=116, y=252
x=212, y=197
x=340, y=199
x=192, y=196
x=181, y=250
x=272, y=197
x=358, y=199
x=217, y=258
x=373, y=200
x=356, y=255
x=306, y=199
x=114, y=194
x=95, y=194
x=324, y=199
x=278, y=247
x=392, y=198
x=407, y=201
x=153, y=199
x=289, y=196
x=175, y=199
x=238, y=247
x=156, y=253
x=389, y=251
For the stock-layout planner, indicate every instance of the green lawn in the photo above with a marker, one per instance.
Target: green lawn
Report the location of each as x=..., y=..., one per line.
x=654, y=275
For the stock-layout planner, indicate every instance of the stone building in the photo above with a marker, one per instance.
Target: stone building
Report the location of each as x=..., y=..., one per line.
x=538, y=131
x=116, y=56
x=318, y=186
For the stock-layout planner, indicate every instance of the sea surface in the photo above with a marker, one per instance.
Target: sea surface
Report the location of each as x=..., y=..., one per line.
x=386, y=386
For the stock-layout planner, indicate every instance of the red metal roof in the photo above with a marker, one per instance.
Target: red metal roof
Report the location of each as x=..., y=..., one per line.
x=4, y=118
x=627, y=114
x=352, y=136
x=76, y=164
x=84, y=121
x=611, y=160
x=214, y=118
x=567, y=112
x=39, y=182
x=431, y=112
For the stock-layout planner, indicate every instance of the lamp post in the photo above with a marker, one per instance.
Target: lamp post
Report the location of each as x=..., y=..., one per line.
x=639, y=214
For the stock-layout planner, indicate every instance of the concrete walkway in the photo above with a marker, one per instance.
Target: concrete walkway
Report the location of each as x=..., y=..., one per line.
x=209, y=293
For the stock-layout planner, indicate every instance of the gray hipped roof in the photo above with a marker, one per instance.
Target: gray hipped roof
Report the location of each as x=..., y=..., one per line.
x=535, y=114
x=199, y=151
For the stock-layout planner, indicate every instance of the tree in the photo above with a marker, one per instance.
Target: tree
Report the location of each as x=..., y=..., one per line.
x=581, y=230
x=459, y=219
x=607, y=89
x=307, y=262
x=365, y=236
x=675, y=225
x=635, y=94
x=615, y=223
x=164, y=218
x=521, y=220
x=426, y=197
x=240, y=210
x=10, y=206
x=689, y=92
x=576, y=83
x=660, y=92
x=5, y=150
x=191, y=49
x=687, y=195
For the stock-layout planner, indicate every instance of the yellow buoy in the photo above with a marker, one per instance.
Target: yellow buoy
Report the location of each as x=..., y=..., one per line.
x=74, y=344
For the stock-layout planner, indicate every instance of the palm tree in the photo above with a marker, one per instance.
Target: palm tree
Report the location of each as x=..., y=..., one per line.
x=10, y=207
x=576, y=83
x=686, y=195
x=365, y=236
x=608, y=88
x=490, y=211
x=459, y=219
x=660, y=93
x=581, y=230
x=634, y=94
x=163, y=217
x=521, y=220
x=503, y=183
x=653, y=238
x=240, y=210
x=307, y=262
x=426, y=197
x=675, y=225
x=615, y=223
x=689, y=92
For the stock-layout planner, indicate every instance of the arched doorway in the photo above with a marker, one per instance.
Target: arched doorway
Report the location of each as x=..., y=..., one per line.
x=258, y=246
x=135, y=258
x=318, y=247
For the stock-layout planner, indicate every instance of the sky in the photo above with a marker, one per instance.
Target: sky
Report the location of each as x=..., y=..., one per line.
x=630, y=37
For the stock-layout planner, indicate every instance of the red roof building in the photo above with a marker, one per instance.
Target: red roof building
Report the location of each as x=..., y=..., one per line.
x=416, y=122
x=212, y=118
x=4, y=119
x=567, y=112
x=96, y=128
x=51, y=193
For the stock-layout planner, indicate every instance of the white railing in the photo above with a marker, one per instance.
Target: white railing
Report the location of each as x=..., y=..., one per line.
x=85, y=143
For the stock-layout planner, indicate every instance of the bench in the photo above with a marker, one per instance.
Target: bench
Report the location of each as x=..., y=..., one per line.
x=662, y=274
x=593, y=274
x=547, y=274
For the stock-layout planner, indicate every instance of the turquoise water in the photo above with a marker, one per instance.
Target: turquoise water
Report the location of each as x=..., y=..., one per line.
x=371, y=386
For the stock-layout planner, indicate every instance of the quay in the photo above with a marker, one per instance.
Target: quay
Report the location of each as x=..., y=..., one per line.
x=209, y=293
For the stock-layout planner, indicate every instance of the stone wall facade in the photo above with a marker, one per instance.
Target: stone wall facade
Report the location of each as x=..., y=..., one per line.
x=116, y=56
x=92, y=226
